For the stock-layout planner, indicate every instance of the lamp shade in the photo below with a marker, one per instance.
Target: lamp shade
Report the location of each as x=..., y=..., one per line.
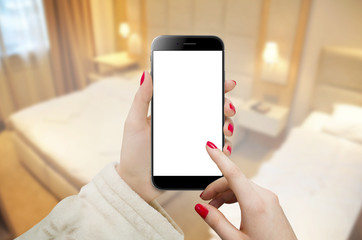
x=270, y=54
x=135, y=44
x=124, y=29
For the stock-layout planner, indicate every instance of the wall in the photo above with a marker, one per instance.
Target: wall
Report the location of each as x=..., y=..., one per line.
x=282, y=13
x=275, y=82
x=331, y=22
x=235, y=21
x=6, y=101
x=103, y=26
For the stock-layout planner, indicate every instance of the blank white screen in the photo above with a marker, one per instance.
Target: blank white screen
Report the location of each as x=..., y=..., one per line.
x=187, y=111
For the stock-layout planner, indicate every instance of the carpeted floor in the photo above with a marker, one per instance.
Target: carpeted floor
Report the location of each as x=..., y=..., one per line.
x=24, y=200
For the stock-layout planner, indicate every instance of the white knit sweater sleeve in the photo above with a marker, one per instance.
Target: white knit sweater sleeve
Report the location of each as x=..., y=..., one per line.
x=106, y=208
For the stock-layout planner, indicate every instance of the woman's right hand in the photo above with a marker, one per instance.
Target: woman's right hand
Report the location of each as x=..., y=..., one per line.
x=261, y=215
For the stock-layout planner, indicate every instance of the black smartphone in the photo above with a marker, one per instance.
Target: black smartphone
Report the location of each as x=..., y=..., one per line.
x=187, y=110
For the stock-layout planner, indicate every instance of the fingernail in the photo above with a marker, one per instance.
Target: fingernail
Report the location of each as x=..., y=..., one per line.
x=201, y=210
x=232, y=107
x=201, y=194
x=234, y=81
x=229, y=149
x=142, y=78
x=211, y=145
x=231, y=128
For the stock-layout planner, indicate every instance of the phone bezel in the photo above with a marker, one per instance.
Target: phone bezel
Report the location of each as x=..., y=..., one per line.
x=193, y=43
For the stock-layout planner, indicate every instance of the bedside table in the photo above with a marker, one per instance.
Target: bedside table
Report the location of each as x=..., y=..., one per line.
x=115, y=62
x=270, y=123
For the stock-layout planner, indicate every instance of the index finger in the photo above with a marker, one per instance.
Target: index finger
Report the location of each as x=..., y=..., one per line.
x=139, y=109
x=229, y=85
x=238, y=182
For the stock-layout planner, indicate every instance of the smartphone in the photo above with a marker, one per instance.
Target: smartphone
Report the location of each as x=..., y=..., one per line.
x=186, y=110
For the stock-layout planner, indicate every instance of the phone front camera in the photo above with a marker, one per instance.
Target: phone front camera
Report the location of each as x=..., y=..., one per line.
x=177, y=44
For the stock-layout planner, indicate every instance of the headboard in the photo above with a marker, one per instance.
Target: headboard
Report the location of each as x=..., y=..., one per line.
x=236, y=22
x=338, y=79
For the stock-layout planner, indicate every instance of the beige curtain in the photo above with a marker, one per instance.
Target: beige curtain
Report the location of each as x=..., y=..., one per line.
x=25, y=73
x=71, y=40
x=43, y=55
x=7, y=104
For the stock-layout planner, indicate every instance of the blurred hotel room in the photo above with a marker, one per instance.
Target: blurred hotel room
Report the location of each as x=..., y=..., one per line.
x=69, y=71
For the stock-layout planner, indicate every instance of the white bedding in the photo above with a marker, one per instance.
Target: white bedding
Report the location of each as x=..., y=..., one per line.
x=81, y=132
x=318, y=179
x=316, y=121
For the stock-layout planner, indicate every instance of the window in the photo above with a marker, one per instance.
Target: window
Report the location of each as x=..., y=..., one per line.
x=22, y=26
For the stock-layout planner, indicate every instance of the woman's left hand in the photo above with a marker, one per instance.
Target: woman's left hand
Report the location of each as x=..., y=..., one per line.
x=135, y=163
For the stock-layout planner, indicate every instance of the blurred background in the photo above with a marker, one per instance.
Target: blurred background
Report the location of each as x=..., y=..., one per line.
x=69, y=70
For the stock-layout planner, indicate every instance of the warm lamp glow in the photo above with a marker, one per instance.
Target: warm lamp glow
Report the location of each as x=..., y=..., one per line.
x=271, y=54
x=135, y=44
x=124, y=29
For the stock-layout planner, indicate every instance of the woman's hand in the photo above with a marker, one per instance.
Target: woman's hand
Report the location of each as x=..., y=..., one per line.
x=135, y=163
x=261, y=215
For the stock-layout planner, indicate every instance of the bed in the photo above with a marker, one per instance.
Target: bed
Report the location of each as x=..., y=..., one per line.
x=65, y=141
x=317, y=172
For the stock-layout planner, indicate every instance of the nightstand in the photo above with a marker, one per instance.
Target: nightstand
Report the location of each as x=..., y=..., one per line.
x=270, y=123
x=115, y=62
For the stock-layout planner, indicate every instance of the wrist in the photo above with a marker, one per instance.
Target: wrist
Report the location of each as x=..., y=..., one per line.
x=144, y=189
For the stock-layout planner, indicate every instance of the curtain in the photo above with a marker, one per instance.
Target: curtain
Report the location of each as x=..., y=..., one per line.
x=46, y=49
x=25, y=73
x=71, y=40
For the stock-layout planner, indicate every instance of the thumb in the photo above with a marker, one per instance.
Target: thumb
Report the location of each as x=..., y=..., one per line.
x=217, y=221
x=141, y=101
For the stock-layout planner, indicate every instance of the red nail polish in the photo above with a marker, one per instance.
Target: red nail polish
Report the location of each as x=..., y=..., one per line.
x=142, y=78
x=234, y=81
x=229, y=149
x=232, y=107
x=211, y=145
x=231, y=128
x=201, y=194
x=201, y=210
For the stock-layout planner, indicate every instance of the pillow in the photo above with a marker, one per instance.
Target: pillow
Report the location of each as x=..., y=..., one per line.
x=347, y=113
x=346, y=122
x=350, y=131
x=316, y=121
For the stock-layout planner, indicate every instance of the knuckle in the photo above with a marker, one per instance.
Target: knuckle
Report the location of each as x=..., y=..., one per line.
x=234, y=172
x=126, y=123
x=273, y=199
x=214, y=222
x=258, y=207
x=246, y=237
x=129, y=123
x=210, y=191
x=138, y=96
x=262, y=205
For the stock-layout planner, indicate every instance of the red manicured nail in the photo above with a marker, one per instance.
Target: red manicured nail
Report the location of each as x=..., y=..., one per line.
x=201, y=194
x=211, y=145
x=229, y=149
x=231, y=128
x=232, y=107
x=234, y=81
x=142, y=78
x=201, y=210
